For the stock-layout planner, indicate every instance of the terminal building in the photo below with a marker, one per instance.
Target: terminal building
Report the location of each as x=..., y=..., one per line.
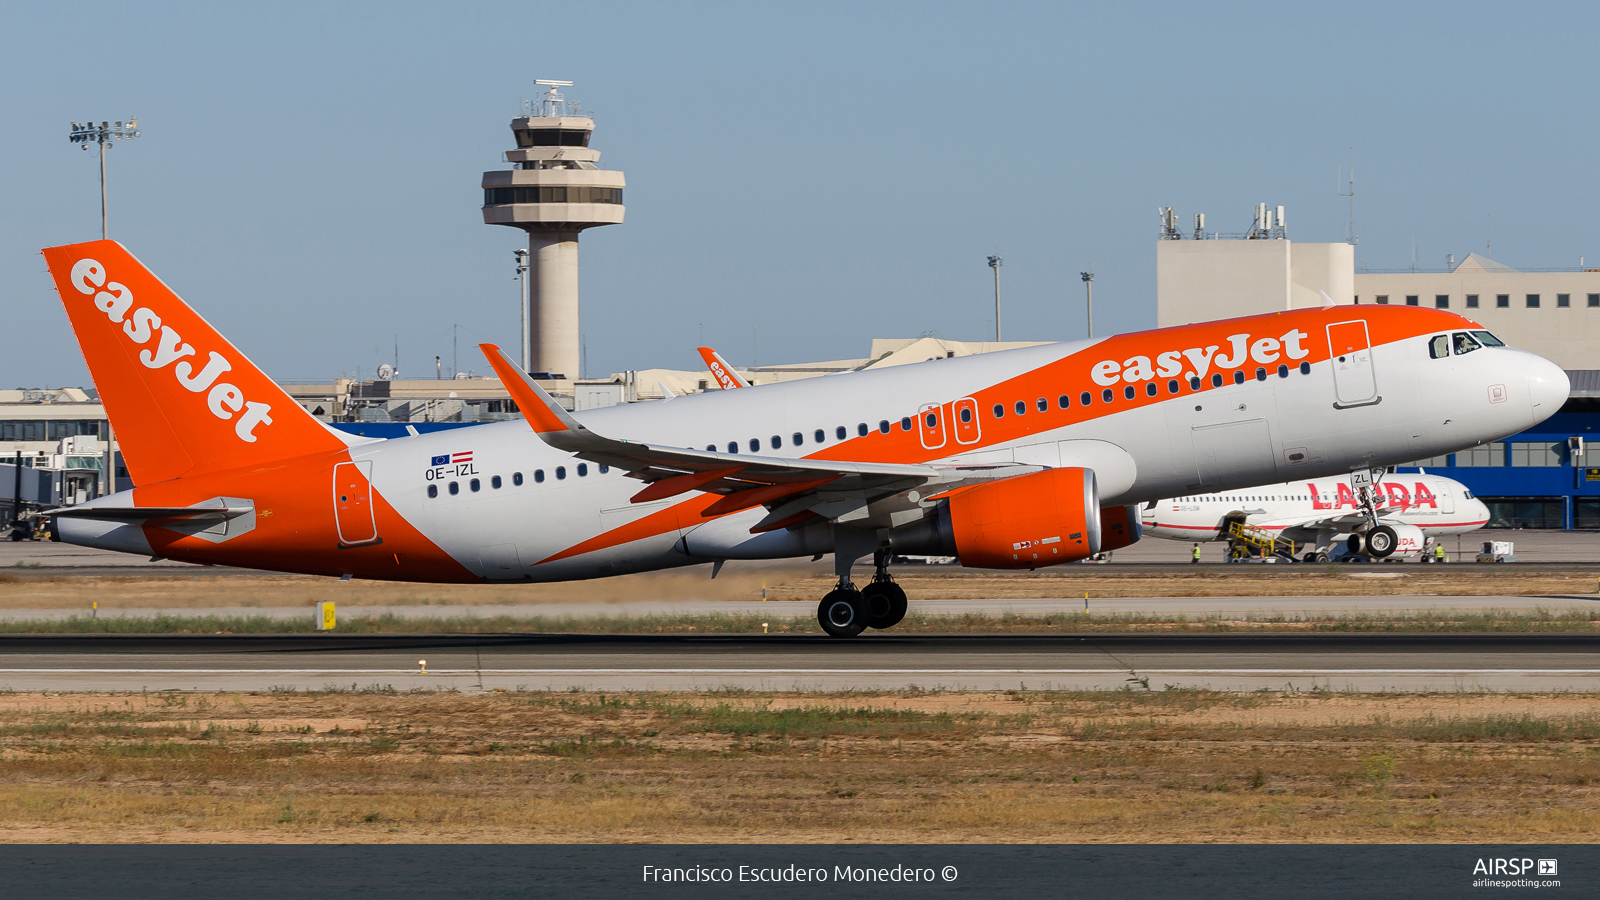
x=1537, y=479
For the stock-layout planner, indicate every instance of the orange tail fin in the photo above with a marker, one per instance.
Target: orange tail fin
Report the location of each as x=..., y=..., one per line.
x=719, y=368
x=181, y=398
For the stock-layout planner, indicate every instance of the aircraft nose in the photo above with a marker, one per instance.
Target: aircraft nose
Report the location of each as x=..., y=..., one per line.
x=1548, y=387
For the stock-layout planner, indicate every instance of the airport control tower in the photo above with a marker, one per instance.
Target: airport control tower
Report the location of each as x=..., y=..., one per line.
x=555, y=191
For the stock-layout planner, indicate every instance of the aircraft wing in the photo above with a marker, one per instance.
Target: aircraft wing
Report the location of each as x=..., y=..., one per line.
x=1312, y=524
x=795, y=490
x=721, y=370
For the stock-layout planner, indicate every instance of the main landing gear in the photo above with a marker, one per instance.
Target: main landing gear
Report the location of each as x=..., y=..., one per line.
x=846, y=612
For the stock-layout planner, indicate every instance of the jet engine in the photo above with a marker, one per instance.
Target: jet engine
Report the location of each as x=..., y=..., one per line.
x=1119, y=527
x=1389, y=540
x=1041, y=519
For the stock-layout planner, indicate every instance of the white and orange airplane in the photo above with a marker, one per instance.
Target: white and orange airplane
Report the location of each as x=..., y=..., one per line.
x=1394, y=517
x=1017, y=459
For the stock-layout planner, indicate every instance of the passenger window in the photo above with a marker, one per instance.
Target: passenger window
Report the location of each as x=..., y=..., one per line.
x=755, y=445
x=538, y=476
x=840, y=432
x=1194, y=383
x=1172, y=386
x=1439, y=347
x=433, y=491
x=1106, y=396
x=583, y=469
x=966, y=414
x=1042, y=404
x=1261, y=374
x=474, y=485
x=1238, y=376
x=999, y=411
x=776, y=441
x=799, y=439
x=905, y=423
x=1063, y=401
x=1305, y=368
x=454, y=488
x=1085, y=398
x=861, y=429
x=495, y=482
x=1127, y=392
x=820, y=435
x=516, y=479
x=1283, y=371
x=883, y=426
x=1021, y=407
x=733, y=446
x=1216, y=379
x=604, y=469
x=1464, y=343
x=711, y=448
x=931, y=420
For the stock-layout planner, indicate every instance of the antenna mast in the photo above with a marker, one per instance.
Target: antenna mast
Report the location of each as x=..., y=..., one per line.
x=1350, y=236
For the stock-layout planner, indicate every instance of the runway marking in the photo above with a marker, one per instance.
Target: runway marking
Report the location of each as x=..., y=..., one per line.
x=474, y=672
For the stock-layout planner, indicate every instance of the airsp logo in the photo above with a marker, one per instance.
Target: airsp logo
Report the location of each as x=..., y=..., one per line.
x=222, y=398
x=1504, y=866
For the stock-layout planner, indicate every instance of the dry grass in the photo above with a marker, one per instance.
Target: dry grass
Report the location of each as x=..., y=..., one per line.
x=199, y=590
x=1016, y=766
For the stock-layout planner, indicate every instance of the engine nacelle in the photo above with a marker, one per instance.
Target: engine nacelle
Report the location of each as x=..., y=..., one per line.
x=1408, y=539
x=1029, y=521
x=1119, y=527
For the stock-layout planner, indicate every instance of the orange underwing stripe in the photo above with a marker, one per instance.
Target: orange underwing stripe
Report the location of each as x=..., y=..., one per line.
x=679, y=484
x=757, y=496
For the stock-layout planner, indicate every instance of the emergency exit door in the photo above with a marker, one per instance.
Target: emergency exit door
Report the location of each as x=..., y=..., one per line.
x=1350, y=354
x=352, y=503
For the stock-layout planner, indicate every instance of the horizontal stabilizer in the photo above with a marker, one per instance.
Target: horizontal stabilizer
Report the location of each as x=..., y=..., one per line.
x=142, y=513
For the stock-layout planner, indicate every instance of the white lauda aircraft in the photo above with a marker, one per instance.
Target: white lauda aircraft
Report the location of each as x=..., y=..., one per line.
x=1392, y=518
x=1019, y=459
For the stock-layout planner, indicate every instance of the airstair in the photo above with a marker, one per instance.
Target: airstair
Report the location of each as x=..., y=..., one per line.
x=1250, y=542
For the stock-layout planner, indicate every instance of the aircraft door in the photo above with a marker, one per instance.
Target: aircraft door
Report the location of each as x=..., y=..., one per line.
x=1354, y=382
x=352, y=503
x=930, y=426
x=965, y=414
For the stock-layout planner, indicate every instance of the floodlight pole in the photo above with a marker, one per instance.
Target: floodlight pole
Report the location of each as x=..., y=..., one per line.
x=103, y=134
x=522, y=295
x=994, y=263
x=1088, y=290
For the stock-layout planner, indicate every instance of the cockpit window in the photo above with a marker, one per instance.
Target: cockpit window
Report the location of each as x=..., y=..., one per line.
x=1467, y=494
x=1487, y=339
x=1464, y=343
x=1439, y=347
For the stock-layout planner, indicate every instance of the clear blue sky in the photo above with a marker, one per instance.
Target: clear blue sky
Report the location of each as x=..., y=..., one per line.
x=308, y=175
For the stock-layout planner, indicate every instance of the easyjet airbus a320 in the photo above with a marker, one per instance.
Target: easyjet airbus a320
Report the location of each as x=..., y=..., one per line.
x=1017, y=460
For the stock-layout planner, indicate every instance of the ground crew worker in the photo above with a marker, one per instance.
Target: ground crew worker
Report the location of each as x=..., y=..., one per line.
x=1438, y=553
x=1195, y=557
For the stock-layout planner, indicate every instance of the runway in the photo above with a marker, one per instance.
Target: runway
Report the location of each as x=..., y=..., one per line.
x=1354, y=662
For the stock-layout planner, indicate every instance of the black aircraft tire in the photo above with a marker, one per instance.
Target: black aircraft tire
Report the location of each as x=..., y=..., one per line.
x=1381, y=541
x=843, y=613
x=886, y=604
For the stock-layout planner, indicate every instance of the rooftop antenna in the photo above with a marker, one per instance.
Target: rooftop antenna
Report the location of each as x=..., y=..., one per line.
x=1350, y=236
x=554, y=104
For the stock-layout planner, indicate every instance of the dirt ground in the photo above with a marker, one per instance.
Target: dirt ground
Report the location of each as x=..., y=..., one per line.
x=1180, y=766
x=201, y=590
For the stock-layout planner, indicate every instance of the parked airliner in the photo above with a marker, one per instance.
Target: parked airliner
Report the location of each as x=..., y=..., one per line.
x=1320, y=513
x=1016, y=459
